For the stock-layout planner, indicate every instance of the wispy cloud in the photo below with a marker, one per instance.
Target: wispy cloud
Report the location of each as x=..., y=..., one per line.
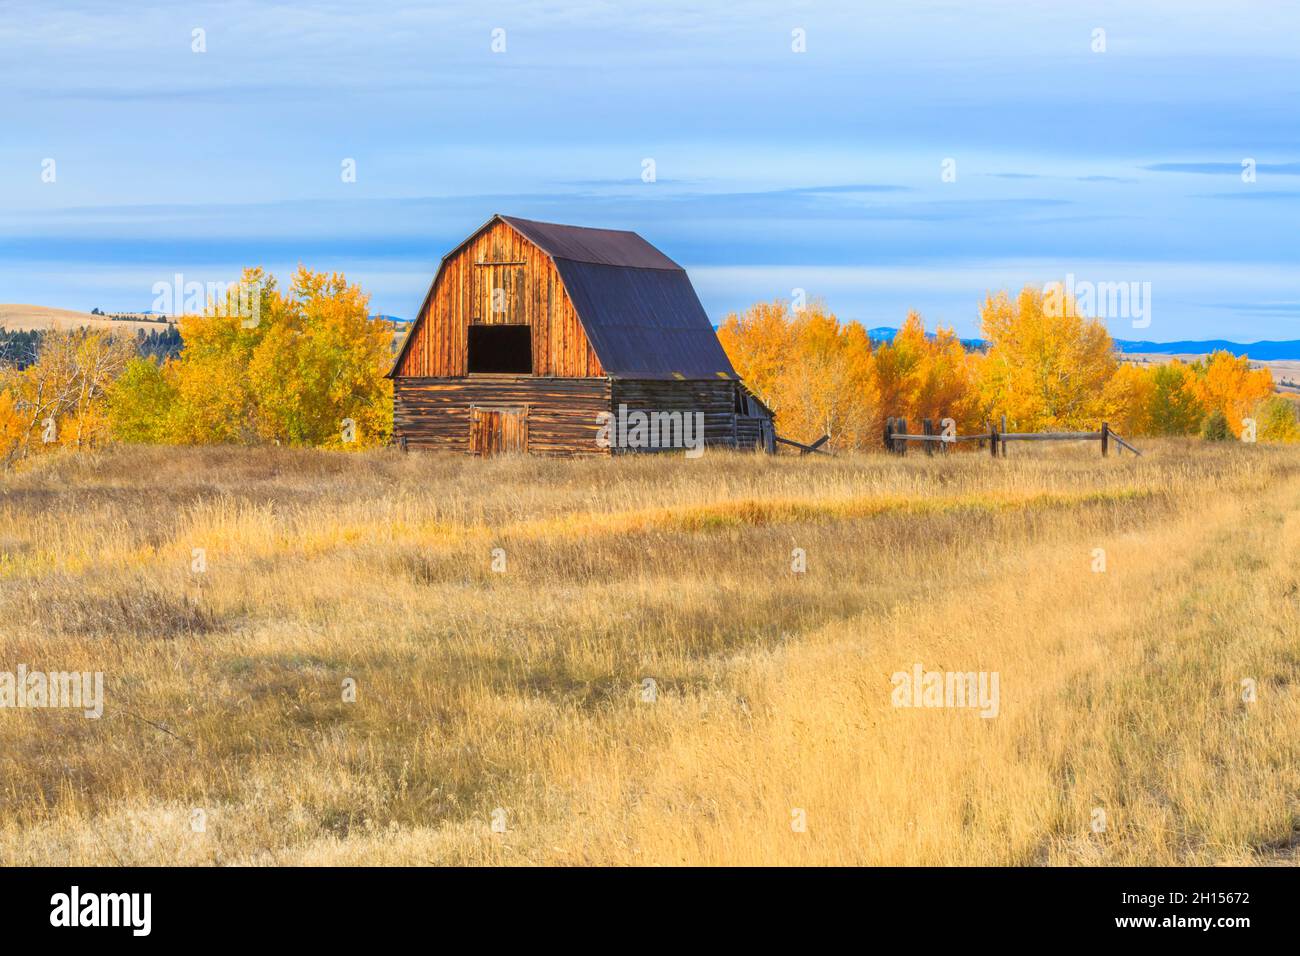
x=1216, y=169
x=765, y=158
x=1262, y=308
x=1250, y=194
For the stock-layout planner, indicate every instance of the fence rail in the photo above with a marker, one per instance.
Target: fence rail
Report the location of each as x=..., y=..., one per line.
x=807, y=449
x=897, y=438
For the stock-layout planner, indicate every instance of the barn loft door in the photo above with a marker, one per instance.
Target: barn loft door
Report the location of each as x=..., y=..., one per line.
x=494, y=430
x=497, y=295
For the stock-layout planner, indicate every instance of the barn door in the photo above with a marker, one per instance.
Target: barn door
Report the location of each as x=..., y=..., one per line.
x=494, y=430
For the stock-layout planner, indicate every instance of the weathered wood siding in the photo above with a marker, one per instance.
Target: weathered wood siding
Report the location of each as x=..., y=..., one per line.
x=750, y=432
x=498, y=257
x=496, y=431
x=562, y=418
x=716, y=400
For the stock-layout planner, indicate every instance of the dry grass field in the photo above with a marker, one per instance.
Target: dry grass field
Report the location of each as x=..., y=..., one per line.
x=518, y=695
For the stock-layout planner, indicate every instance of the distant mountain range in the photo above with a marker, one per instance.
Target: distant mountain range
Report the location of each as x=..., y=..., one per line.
x=1259, y=351
x=885, y=334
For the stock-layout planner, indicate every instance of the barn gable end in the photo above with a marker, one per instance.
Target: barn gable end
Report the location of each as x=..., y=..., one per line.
x=496, y=257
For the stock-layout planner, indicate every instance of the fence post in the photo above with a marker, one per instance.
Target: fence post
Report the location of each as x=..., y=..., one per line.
x=993, y=439
x=1105, y=439
x=902, y=444
x=927, y=428
x=889, y=434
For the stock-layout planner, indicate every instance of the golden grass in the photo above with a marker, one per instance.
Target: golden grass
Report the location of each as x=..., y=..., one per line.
x=521, y=690
x=16, y=317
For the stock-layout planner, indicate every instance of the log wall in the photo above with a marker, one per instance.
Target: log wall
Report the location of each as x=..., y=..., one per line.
x=562, y=420
x=716, y=400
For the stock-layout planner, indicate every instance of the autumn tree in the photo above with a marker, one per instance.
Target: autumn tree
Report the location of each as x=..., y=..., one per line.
x=1172, y=406
x=934, y=377
x=813, y=371
x=302, y=368
x=14, y=428
x=898, y=367
x=1226, y=383
x=1129, y=396
x=759, y=343
x=140, y=403
x=828, y=390
x=317, y=374
x=1276, y=420
x=1047, y=366
x=214, y=401
x=58, y=400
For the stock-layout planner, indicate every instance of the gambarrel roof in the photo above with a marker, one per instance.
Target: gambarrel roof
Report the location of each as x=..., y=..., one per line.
x=638, y=307
x=602, y=247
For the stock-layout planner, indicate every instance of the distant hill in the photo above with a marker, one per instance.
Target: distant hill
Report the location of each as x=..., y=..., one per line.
x=1258, y=351
x=15, y=317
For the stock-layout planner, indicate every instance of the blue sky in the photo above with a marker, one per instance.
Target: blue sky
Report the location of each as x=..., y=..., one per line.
x=774, y=169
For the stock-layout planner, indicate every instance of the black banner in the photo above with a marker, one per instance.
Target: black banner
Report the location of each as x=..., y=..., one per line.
x=331, y=906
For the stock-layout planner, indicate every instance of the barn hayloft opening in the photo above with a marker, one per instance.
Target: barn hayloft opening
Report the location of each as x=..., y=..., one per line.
x=501, y=348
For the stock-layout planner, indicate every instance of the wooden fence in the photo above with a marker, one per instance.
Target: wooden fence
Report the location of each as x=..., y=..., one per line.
x=897, y=438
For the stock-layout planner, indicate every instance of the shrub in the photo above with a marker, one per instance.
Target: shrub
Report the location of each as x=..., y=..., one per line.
x=139, y=403
x=1215, y=427
x=1275, y=419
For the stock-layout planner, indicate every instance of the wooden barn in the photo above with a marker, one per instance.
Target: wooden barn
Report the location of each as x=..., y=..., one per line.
x=550, y=339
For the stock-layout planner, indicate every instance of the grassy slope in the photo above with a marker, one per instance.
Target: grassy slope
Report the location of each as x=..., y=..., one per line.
x=23, y=318
x=479, y=690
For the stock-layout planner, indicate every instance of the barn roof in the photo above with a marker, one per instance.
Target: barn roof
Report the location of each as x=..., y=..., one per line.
x=603, y=247
x=637, y=306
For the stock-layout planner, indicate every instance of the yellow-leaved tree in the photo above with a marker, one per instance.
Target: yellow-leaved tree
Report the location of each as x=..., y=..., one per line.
x=898, y=368
x=931, y=377
x=302, y=368
x=58, y=400
x=317, y=374
x=1225, y=383
x=758, y=342
x=813, y=371
x=1129, y=397
x=1277, y=419
x=1047, y=365
x=1172, y=407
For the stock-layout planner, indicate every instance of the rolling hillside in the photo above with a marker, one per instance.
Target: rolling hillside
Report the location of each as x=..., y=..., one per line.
x=16, y=317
